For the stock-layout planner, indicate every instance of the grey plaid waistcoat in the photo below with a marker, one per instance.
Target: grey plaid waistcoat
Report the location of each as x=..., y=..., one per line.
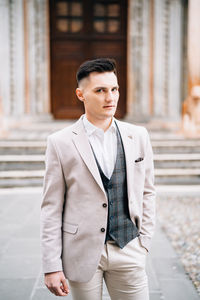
x=120, y=228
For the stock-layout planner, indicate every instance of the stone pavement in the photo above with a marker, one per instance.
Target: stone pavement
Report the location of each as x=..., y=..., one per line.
x=20, y=258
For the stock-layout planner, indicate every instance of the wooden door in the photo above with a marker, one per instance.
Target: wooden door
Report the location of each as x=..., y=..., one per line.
x=82, y=30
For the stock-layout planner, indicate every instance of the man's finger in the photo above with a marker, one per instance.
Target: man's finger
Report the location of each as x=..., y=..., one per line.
x=51, y=290
x=55, y=290
x=64, y=286
x=58, y=292
x=56, y=283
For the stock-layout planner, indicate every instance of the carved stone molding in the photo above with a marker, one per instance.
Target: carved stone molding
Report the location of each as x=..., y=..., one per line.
x=168, y=40
x=38, y=48
x=176, y=74
x=16, y=58
x=194, y=42
x=139, y=39
x=4, y=58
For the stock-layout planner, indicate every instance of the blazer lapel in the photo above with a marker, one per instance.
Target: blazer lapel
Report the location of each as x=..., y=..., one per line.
x=82, y=144
x=128, y=143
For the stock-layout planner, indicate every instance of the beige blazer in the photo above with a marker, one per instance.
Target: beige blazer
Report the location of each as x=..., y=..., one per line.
x=72, y=213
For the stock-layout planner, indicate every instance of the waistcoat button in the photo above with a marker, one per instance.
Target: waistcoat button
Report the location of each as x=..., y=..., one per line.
x=104, y=205
x=102, y=229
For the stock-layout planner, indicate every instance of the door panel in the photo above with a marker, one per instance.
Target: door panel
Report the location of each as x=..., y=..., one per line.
x=82, y=30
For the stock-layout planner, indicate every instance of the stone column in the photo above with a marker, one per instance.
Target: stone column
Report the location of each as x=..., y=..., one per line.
x=191, y=106
x=155, y=40
x=16, y=59
x=24, y=61
x=4, y=58
x=5, y=66
x=38, y=57
x=194, y=43
x=11, y=60
x=138, y=69
x=175, y=48
x=168, y=37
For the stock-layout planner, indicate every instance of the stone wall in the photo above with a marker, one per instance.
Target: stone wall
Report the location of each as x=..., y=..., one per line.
x=167, y=59
x=155, y=72
x=24, y=59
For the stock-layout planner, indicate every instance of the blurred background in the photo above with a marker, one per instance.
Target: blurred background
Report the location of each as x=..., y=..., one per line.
x=156, y=44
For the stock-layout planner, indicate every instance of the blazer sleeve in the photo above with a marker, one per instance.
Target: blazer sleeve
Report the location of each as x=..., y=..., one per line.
x=51, y=210
x=149, y=195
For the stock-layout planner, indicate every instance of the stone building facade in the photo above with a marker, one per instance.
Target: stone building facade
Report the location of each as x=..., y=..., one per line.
x=157, y=65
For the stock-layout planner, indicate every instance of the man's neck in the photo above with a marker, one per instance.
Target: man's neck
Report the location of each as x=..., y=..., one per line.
x=103, y=124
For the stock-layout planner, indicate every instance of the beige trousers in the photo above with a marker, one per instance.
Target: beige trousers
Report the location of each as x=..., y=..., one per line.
x=123, y=271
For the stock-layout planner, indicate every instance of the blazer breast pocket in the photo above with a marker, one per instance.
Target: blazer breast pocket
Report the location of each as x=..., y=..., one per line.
x=70, y=228
x=139, y=162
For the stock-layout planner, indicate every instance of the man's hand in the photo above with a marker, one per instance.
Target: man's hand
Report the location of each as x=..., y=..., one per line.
x=56, y=283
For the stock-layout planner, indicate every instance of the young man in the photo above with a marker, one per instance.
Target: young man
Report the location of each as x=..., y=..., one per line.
x=98, y=208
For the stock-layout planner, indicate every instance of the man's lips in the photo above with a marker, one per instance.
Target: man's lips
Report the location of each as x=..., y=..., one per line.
x=109, y=106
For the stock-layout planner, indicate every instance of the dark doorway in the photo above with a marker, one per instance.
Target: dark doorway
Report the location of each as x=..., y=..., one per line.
x=81, y=30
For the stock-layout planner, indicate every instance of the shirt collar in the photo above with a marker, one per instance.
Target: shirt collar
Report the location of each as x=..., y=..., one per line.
x=90, y=128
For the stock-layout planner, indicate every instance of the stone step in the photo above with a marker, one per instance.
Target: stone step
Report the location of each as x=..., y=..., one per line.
x=176, y=190
x=180, y=160
x=177, y=176
x=19, y=178
x=177, y=172
x=40, y=173
x=177, y=161
x=175, y=146
x=22, y=174
x=177, y=156
x=39, y=146
x=162, y=190
x=22, y=147
x=12, y=179
x=21, y=162
x=36, y=162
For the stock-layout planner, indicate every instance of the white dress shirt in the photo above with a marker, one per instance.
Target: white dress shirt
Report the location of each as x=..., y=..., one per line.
x=104, y=145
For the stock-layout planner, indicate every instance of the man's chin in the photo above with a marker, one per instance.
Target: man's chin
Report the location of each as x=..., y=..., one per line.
x=110, y=113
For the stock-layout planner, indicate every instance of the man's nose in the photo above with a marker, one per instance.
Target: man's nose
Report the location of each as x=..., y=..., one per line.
x=109, y=96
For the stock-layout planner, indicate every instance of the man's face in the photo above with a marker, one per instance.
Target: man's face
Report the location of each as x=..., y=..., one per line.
x=100, y=94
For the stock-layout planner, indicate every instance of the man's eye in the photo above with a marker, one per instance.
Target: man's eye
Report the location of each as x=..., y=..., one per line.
x=99, y=91
x=115, y=89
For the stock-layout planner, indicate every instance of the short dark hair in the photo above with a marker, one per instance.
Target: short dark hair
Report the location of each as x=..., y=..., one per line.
x=99, y=65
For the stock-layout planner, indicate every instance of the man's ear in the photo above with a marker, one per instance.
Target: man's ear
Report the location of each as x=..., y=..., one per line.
x=79, y=94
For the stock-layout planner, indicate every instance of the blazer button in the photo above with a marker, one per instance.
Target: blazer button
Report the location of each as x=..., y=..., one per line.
x=102, y=229
x=104, y=205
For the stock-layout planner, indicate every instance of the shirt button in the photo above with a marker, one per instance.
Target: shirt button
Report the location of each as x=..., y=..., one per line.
x=102, y=229
x=104, y=205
